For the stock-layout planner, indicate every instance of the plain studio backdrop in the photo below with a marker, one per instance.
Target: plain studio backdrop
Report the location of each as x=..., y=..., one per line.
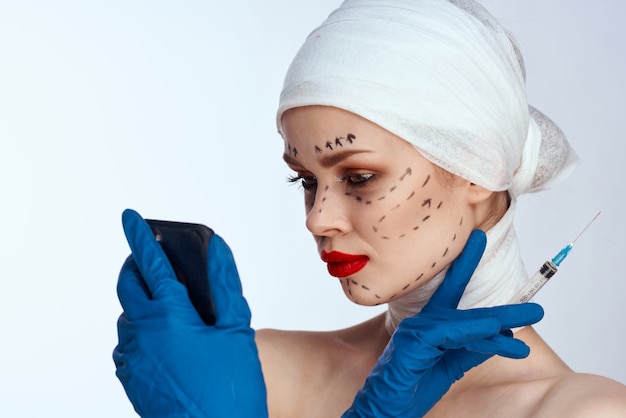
x=168, y=108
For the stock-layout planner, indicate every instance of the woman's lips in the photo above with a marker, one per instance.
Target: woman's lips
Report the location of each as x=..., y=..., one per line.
x=343, y=265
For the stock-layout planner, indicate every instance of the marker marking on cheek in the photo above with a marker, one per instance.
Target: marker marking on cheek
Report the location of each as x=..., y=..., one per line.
x=338, y=142
x=426, y=203
x=426, y=181
x=350, y=138
x=439, y=205
x=407, y=172
x=329, y=145
x=318, y=149
x=419, y=277
x=411, y=195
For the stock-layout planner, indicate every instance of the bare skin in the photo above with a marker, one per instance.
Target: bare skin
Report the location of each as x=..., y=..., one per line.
x=370, y=194
x=317, y=374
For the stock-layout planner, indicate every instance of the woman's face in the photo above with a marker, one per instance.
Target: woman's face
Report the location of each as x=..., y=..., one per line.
x=384, y=219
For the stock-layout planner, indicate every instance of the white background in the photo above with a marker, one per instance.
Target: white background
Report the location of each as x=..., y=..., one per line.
x=168, y=108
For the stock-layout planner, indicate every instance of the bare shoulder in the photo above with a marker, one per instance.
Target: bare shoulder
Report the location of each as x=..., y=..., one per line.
x=585, y=395
x=317, y=372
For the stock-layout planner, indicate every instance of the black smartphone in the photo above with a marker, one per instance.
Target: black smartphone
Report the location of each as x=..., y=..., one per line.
x=186, y=245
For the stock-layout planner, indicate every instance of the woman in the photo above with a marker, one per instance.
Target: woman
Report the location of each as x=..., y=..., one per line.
x=407, y=126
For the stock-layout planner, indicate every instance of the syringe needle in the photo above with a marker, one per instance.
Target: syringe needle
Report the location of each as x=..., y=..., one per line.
x=585, y=228
x=546, y=271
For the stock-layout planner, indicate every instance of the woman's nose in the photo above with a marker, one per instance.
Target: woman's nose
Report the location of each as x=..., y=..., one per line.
x=328, y=214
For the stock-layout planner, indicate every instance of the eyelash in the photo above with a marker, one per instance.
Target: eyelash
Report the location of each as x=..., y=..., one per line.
x=353, y=180
x=306, y=182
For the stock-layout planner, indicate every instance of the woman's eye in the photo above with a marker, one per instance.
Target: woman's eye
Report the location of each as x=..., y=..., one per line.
x=358, y=179
x=307, y=182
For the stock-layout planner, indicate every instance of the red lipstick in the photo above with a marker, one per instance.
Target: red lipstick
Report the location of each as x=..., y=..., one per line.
x=343, y=265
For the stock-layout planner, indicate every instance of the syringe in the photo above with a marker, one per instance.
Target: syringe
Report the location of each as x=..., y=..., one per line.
x=546, y=271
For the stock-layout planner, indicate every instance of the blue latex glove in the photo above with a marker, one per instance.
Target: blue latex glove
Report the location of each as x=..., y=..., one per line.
x=431, y=350
x=169, y=361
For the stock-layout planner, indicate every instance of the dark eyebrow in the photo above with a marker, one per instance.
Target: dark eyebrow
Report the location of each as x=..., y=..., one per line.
x=326, y=161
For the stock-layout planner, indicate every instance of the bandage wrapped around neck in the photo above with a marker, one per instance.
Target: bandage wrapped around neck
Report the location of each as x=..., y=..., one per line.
x=446, y=77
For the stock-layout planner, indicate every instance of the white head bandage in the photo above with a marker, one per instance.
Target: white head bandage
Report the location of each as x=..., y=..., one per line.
x=441, y=74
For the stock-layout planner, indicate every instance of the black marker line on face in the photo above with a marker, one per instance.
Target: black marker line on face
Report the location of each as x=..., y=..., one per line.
x=324, y=197
x=407, y=172
x=333, y=145
x=426, y=182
